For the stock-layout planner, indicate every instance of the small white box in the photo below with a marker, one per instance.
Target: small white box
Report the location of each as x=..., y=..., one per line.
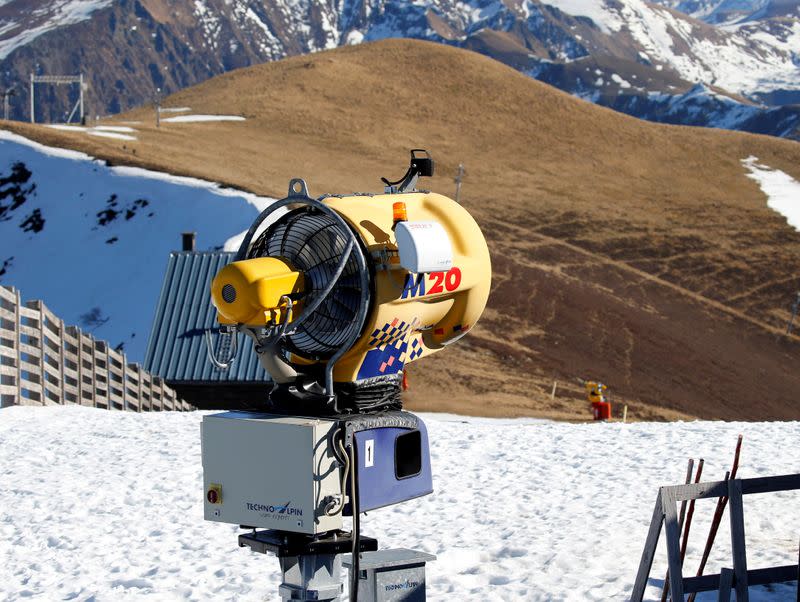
x=423, y=247
x=269, y=471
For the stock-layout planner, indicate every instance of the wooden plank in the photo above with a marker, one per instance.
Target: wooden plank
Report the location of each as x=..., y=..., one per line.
x=649, y=552
x=787, y=482
x=673, y=535
x=725, y=585
x=738, y=545
x=765, y=576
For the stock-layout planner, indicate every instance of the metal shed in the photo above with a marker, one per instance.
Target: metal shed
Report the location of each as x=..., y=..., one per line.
x=176, y=350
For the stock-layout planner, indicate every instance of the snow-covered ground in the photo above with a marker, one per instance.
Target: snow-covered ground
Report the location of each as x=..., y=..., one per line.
x=81, y=235
x=100, y=505
x=782, y=190
x=202, y=118
x=105, y=131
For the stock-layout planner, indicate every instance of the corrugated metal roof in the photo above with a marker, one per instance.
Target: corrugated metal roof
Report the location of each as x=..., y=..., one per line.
x=176, y=350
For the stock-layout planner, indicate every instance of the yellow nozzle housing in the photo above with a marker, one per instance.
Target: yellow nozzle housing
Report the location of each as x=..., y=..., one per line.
x=250, y=291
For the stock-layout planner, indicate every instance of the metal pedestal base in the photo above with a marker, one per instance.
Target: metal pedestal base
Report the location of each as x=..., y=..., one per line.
x=314, y=577
x=311, y=566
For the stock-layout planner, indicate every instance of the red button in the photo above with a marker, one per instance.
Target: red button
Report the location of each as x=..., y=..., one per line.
x=212, y=496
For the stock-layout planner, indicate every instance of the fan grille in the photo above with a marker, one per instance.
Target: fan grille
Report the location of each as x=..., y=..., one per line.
x=313, y=243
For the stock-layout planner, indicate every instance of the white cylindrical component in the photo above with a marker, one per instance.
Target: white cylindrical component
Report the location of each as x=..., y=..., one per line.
x=423, y=247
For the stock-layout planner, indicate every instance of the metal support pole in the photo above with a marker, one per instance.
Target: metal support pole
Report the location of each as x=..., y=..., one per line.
x=83, y=119
x=158, y=107
x=33, y=107
x=311, y=577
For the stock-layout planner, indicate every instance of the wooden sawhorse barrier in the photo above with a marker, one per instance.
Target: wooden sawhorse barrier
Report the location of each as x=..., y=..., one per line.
x=738, y=578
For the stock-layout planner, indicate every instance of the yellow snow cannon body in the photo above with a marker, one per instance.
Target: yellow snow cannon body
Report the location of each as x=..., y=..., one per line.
x=340, y=293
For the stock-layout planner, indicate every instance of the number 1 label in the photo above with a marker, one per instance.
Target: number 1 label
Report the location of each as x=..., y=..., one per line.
x=369, y=453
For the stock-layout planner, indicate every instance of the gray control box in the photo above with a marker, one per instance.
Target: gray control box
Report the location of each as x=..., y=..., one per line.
x=275, y=472
x=391, y=575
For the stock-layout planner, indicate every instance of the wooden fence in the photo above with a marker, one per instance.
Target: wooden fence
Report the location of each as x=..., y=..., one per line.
x=44, y=362
x=665, y=515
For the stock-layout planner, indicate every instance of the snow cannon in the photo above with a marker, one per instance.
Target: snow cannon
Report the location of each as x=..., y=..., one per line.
x=340, y=293
x=595, y=393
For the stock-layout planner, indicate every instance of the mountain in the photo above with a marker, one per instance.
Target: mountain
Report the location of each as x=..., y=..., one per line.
x=644, y=59
x=733, y=11
x=640, y=254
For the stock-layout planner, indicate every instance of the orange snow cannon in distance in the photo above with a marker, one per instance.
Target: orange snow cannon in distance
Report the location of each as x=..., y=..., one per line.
x=595, y=393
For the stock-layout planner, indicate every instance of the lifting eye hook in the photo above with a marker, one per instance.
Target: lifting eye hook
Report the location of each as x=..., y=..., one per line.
x=231, y=345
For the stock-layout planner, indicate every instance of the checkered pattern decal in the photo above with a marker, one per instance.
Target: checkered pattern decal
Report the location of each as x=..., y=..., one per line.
x=391, y=332
x=416, y=349
x=392, y=348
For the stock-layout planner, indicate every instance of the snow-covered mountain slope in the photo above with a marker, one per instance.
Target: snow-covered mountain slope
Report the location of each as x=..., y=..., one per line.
x=733, y=11
x=108, y=506
x=92, y=241
x=128, y=48
x=25, y=20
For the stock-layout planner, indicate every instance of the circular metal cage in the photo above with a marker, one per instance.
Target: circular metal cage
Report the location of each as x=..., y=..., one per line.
x=315, y=244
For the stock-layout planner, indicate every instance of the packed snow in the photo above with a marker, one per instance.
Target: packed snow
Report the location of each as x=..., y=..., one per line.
x=102, y=505
x=104, y=131
x=114, y=135
x=199, y=118
x=782, y=190
x=87, y=236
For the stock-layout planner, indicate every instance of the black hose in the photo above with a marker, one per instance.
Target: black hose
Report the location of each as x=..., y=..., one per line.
x=356, y=533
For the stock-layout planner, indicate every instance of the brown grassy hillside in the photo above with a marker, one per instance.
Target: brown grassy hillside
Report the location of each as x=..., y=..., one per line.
x=626, y=251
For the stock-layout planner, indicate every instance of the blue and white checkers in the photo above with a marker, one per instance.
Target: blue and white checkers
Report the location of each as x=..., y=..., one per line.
x=392, y=348
x=390, y=333
x=416, y=349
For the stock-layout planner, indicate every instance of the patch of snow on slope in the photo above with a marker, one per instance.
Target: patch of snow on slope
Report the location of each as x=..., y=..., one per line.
x=104, y=131
x=103, y=234
x=105, y=134
x=108, y=506
x=782, y=190
x=114, y=128
x=620, y=81
x=607, y=20
x=59, y=14
x=199, y=118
